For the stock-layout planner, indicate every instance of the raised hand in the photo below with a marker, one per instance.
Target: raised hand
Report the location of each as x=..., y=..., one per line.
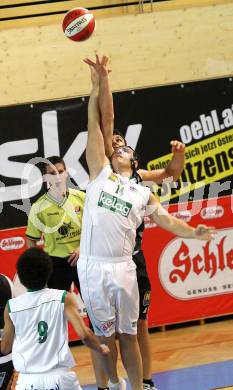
x=203, y=232
x=100, y=66
x=177, y=146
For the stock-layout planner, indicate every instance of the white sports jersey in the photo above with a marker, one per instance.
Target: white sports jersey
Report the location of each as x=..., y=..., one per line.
x=41, y=339
x=114, y=208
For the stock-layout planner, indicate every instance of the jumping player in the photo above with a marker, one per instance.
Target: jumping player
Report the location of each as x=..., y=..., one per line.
x=112, y=141
x=114, y=208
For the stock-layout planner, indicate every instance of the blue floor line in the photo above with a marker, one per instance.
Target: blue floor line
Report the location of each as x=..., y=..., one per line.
x=204, y=377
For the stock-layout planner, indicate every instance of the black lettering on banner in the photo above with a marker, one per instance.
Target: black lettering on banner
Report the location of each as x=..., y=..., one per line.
x=199, y=171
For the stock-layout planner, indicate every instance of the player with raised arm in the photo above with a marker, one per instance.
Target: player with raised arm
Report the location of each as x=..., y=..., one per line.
x=113, y=140
x=114, y=208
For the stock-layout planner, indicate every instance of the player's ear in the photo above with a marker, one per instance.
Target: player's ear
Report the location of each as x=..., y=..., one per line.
x=136, y=164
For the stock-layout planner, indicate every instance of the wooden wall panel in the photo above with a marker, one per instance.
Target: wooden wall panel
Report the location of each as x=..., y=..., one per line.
x=154, y=48
x=20, y=8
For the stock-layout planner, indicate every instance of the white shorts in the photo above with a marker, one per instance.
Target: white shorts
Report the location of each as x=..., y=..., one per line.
x=51, y=380
x=110, y=294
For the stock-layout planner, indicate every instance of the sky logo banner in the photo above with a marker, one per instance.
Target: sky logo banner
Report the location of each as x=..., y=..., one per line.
x=200, y=114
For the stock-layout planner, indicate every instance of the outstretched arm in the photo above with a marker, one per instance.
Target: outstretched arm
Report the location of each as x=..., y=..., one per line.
x=166, y=221
x=173, y=169
x=95, y=151
x=106, y=111
x=105, y=101
x=86, y=335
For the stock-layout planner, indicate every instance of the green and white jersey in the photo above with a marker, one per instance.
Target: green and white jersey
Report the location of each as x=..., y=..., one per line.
x=114, y=208
x=58, y=223
x=41, y=336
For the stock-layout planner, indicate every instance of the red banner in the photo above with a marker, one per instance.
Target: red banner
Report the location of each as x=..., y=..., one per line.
x=191, y=279
x=12, y=244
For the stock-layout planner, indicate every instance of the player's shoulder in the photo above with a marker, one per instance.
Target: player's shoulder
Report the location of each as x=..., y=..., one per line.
x=79, y=194
x=6, y=288
x=39, y=204
x=40, y=200
x=103, y=174
x=15, y=302
x=142, y=190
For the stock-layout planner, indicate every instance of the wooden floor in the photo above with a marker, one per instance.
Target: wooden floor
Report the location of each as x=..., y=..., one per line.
x=175, y=348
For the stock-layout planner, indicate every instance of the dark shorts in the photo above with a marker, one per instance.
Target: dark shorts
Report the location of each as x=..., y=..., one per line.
x=144, y=285
x=63, y=274
x=6, y=372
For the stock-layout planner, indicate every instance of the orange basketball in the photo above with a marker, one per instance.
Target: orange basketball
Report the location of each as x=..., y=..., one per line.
x=78, y=24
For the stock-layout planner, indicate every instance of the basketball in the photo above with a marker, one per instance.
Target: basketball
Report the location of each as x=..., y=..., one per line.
x=78, y=24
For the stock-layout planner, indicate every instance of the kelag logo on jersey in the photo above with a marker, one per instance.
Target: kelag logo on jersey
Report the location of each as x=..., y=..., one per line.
x=115, y=204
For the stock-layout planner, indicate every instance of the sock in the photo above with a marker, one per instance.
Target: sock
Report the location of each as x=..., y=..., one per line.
x=148, y=382
x=114, y=385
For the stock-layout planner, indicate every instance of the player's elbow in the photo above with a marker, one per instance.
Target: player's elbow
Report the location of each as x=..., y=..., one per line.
x=108, y=116
x=107, y=125
x=173, y=173
x=175, y=176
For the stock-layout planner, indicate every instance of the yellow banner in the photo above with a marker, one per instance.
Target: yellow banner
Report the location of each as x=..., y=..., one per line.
x=207, y=161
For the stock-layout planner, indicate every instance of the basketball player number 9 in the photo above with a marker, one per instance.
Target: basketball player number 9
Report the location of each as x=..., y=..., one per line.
x=43, y=331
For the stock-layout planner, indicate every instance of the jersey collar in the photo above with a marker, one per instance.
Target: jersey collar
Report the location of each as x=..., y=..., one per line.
x=54, y=200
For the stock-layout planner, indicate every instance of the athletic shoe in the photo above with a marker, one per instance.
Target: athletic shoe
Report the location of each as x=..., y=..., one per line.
x=121, y=385
x=149, y=387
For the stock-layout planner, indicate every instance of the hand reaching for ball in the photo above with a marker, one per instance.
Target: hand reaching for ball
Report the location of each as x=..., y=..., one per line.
x=100, y=66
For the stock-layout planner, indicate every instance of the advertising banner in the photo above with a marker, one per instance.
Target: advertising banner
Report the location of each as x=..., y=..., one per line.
x=200, y=114
x=191, y=279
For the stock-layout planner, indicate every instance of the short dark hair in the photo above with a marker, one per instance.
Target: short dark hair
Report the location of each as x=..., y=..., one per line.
x=53, y=160
x=34, y=268
x=117, y=132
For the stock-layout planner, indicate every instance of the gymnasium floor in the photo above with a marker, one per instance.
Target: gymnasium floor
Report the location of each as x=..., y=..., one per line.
x=197, y=357
x=205, y=377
